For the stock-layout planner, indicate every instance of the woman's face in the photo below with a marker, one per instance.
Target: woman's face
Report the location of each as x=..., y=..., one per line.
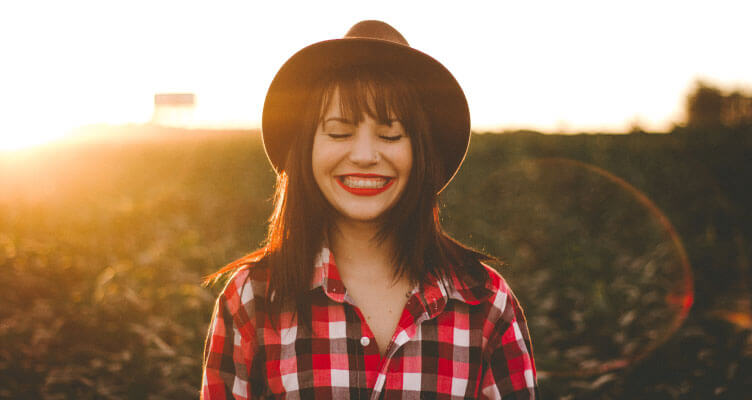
x=361, y=169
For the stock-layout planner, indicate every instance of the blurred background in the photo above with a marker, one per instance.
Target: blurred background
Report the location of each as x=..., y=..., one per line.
x=609, y=169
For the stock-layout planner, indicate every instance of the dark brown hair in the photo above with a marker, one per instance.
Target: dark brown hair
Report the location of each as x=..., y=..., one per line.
x=302, y=217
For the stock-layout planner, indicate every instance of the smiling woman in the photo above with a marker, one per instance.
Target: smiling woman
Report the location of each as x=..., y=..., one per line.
x=372, y=162
x=364, y=133
x=355, y=154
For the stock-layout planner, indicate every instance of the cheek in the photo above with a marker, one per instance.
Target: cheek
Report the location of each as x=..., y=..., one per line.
x=318, y=163
x=406, y=160
x=324, y=159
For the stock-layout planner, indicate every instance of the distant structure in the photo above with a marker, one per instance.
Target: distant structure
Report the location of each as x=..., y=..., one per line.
x=707, y=106
x=173, y=109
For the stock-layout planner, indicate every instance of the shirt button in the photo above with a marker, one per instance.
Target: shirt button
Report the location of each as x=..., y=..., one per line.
x=365, y=341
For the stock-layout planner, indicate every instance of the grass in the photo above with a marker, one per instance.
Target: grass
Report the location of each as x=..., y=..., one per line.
x=103, y=247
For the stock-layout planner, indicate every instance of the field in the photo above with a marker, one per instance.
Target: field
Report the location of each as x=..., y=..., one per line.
x=630, y=253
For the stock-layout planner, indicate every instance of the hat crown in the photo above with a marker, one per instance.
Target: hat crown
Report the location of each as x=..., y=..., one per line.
x=372, y=29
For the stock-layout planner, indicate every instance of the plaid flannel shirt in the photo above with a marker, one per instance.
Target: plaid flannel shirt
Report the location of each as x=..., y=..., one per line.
x=470, y=342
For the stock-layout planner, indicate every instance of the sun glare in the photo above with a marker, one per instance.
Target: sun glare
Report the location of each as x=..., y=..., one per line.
x=22, y=136
x=558, y=77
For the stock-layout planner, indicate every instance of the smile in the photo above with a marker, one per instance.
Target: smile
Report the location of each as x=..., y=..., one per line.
x=365, y=184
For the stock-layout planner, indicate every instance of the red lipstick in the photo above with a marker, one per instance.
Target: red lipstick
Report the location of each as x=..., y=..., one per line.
x=365, y=191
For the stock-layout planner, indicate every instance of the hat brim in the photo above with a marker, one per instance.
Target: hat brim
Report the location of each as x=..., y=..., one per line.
x=443, y=98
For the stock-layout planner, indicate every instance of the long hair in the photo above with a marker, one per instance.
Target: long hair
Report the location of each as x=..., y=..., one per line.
x=302, y=217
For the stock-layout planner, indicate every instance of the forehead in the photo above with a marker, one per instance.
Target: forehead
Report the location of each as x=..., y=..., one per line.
x=332, y=103
x=356, y=100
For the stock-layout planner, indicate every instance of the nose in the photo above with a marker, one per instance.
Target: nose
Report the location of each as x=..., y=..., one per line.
x=364, y=151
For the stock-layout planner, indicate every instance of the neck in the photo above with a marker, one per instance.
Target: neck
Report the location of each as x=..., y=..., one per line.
x=357, y=252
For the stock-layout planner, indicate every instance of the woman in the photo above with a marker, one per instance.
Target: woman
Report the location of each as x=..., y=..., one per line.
x=364, y=133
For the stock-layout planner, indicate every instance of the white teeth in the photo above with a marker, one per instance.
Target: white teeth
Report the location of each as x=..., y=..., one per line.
x=364, y=183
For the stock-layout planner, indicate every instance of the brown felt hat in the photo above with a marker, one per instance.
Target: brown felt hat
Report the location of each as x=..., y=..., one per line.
x=372, y=43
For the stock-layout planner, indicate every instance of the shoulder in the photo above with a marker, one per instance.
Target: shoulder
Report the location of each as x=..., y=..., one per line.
x=244, y=288
x=494, y=281
x=478, y=282
x=502, y=294
x=483, y=285
x=504, y=310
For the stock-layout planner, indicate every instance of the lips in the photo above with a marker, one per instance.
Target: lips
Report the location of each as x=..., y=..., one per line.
x=365, y=184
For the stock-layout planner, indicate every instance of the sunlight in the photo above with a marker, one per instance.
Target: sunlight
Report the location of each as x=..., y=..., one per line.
x=22, y=133
x=557, y=77
x=51, y=121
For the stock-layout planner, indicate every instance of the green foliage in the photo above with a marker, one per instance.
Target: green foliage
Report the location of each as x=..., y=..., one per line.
x=598, y=273
x=103, y=248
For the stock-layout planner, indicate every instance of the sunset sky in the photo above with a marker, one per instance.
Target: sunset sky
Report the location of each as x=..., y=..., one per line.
x=558, y=66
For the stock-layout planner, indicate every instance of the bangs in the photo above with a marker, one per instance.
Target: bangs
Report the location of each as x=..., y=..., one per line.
x=377, y=93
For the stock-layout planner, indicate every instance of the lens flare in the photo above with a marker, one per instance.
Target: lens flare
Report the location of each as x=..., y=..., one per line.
x=600, y=269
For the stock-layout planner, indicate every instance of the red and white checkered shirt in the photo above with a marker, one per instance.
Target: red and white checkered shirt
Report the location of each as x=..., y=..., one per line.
x=469, y=342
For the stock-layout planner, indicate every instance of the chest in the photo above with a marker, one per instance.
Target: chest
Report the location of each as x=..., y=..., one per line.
x=381, y=310
x=438, y=357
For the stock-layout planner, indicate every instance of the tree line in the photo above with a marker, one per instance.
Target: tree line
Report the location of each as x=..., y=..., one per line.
x=709, y=106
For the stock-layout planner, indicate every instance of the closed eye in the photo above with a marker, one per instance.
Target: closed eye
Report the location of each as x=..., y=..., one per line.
x=339, y=135
x=391, y=138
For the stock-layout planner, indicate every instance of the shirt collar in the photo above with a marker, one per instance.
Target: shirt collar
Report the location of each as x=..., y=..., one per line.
x=326, y=276
x=433, y=292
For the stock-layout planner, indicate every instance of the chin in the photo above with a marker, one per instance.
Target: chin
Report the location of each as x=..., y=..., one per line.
x=362, y=217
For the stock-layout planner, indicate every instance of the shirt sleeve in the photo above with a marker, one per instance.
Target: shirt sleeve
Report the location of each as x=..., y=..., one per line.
x=509, y=370
x=229, y=350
